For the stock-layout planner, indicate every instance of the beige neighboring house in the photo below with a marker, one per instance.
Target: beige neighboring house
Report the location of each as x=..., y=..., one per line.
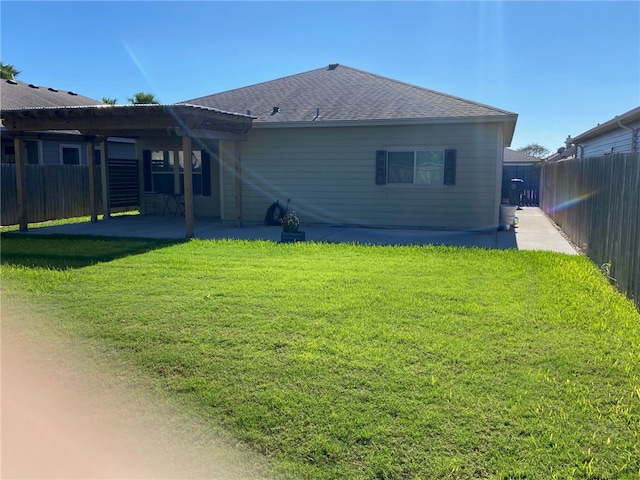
x=350, y=147
x=620, y=134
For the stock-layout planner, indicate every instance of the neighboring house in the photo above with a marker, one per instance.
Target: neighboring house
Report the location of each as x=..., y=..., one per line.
x=354, y=148
x=52, y=147
x=563, y=153
x=515, y=158
x=618, y=135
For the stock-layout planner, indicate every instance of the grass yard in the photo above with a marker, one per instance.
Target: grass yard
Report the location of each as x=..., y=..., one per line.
x=364, y=362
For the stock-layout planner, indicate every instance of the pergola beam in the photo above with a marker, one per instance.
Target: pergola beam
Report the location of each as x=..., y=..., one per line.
x=165, y=123
x=128, y=120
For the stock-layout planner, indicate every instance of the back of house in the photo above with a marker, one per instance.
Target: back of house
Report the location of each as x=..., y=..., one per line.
x=350, y=147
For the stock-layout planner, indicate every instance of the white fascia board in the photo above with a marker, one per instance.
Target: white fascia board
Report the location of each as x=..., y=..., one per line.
x=371, y=123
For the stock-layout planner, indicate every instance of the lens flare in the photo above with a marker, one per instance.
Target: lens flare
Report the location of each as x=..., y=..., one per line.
x=137, y=63
x=573, y=201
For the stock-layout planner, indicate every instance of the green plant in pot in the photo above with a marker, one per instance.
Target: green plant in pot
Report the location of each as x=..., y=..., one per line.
x=290, y=228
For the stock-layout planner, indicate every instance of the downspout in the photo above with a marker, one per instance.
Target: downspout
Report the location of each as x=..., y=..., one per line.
x=633, y=136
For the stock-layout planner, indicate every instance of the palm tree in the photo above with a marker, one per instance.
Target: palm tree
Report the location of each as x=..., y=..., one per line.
x=8, y=72
x=142, y=97
x=109, y=101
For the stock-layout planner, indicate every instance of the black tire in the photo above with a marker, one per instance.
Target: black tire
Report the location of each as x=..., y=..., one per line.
x=274, y=214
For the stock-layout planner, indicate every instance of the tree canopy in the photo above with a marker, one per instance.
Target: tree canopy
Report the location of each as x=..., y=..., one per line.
x=8, y=72
x=535, y=150
x=109, y=101
x=143, y=97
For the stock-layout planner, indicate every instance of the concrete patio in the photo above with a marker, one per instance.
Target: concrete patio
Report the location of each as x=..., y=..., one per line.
x=534, y=232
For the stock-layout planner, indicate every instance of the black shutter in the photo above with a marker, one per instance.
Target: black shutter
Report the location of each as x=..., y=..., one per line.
x=381, y=167
x=449, y=167
x=146, y=169
x=206, y=173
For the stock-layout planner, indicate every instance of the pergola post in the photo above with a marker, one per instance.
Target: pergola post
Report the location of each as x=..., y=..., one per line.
x=21, y=182
x=238, y=177
x=187, y=151
x=176, y=172
x=141, y=189
x=104, y=170
x=91, y=161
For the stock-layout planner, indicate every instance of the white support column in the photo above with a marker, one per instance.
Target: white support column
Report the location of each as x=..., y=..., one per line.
x=104, y=170
x=188, y=185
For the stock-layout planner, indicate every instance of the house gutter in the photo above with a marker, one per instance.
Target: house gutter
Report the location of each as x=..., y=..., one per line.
x=508, y=120
x=370, y=123
x=634, y=135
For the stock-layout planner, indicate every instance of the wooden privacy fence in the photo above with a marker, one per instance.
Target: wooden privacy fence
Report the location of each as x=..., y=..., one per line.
x=596, y=202
x=55, y=192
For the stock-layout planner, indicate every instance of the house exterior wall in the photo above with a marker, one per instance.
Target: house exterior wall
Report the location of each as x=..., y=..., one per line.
x=329, y=175
x=615, y=141
x=51, y=151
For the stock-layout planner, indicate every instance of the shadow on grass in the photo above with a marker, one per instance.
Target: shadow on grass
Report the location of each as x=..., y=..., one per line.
x=63, y=252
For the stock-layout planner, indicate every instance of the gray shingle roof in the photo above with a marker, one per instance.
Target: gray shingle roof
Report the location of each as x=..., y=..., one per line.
x=344, y=94
x=14, y=94
x=513, y=156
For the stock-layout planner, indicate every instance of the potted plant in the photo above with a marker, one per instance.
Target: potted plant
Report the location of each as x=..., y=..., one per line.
x=290, y=225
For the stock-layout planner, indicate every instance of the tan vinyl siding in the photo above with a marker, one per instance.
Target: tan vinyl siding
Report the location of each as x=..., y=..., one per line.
x=329, y=175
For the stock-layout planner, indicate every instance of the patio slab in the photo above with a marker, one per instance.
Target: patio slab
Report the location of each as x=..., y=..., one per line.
x=534, y=232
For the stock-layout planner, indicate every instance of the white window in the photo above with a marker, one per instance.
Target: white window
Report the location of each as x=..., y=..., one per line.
x=420, y=167
x=162, y=171
x=70, y=154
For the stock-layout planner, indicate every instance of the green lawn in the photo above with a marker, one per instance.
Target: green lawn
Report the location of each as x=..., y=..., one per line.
x=364, y=362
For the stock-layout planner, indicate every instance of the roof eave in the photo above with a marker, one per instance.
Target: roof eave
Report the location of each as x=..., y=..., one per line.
x=630, y=116
x=385, y=122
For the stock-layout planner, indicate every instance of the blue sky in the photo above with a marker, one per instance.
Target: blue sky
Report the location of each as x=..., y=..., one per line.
x=563, y=67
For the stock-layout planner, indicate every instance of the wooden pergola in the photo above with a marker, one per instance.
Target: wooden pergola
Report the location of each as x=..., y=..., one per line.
x=96, y=123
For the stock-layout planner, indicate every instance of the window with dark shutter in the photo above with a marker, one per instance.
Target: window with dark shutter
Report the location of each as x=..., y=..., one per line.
x=381, y=167
x=449, y=167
